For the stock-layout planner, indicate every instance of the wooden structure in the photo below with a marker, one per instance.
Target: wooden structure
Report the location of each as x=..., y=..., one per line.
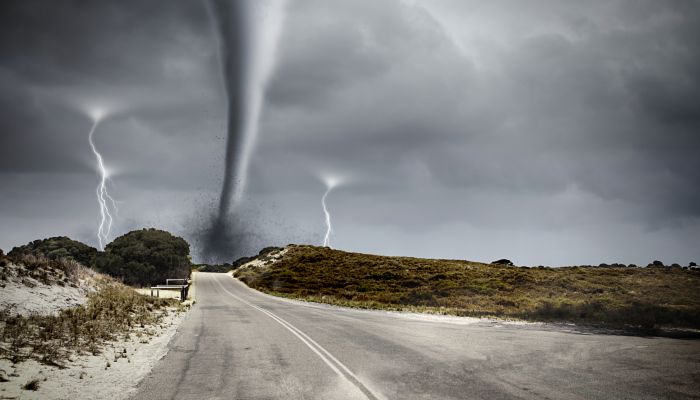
x=183, y=285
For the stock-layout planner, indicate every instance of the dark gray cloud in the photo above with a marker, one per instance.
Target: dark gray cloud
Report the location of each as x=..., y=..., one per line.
x=557, y=133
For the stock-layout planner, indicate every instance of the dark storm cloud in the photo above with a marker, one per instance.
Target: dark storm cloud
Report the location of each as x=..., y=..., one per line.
x=611, y=109
x=560, y=132
x=76, y=42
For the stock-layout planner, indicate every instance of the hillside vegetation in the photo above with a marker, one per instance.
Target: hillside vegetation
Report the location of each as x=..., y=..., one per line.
x=612, y=295
x=145, y=257
x=140, y=258
x=56, y=248
x=110, y=311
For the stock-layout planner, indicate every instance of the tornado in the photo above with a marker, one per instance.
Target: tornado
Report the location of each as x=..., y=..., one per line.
x=247, y=32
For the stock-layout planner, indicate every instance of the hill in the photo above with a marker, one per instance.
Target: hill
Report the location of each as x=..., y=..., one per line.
x=610, y=295
x=140, y=258
x=56, y=248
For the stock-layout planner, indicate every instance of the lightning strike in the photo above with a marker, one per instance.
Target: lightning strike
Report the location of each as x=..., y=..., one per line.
x=105, y=201
x=331, y=182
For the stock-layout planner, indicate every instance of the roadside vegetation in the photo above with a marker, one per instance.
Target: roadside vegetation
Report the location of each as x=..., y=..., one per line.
x=56, y=248
x=653, y=296
x=142, y=257
x=145, y=257
x=113, y=311
x=226, y=267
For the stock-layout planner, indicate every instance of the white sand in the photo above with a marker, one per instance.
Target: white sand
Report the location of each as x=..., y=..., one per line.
x=265, y=261
x=112, y=375
x=24, y=295
x=18, y=298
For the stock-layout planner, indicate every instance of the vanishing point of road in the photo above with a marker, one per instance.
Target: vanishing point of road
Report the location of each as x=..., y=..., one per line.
x=237, y=343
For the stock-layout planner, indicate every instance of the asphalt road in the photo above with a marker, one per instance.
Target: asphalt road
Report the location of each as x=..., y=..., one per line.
x=237, y=343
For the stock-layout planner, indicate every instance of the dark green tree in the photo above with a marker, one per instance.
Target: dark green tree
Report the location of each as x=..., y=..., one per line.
x=56, y=248
x=146, y=257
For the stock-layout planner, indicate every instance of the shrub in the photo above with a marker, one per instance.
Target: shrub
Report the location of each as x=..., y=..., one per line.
x=503, y=261
x=112, y=311
x=268, y=250
x=641, y=297
x=213, y=267
x=145, y=257
x=31, y=385
x=56, y=248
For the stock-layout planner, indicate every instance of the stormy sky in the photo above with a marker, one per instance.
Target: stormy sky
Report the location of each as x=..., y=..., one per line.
x=546, y=132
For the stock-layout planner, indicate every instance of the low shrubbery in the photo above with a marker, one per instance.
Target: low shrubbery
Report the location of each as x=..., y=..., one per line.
x=56, y=248
x=610, y=295
x=112, y=312
x=262, y=255
x=221, y=268
x=60, y=272
x=140, y=258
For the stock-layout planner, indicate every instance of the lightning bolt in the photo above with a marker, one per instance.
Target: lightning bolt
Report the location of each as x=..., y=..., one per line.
x=103, y=198
x=331, y=182
x=329, y=228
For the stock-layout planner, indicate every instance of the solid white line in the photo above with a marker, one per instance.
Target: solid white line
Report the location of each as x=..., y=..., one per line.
x=315, y=347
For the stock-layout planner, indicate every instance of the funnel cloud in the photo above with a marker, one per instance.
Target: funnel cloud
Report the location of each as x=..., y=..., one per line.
x=559, y=133
x=247, y=33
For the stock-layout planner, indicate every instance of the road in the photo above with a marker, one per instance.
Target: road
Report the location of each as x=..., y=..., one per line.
x=237, y=343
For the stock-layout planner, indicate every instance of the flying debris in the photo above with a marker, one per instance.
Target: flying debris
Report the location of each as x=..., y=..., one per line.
x=105, y=201
x=247, y=32
x=331, y=182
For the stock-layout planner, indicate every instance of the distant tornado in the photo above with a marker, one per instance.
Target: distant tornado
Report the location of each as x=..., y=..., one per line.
x=248, y=31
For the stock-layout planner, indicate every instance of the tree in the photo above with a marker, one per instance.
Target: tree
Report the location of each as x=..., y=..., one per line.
x=56, y=248
x=503, y=261
x=146, y=257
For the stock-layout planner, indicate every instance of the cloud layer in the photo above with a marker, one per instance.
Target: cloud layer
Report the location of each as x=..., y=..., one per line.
x=558, y=134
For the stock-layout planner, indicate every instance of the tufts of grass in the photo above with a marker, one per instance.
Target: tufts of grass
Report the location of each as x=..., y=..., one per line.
x=31, y=385
x=111, y=312
x=47, y=271
x=613, y=296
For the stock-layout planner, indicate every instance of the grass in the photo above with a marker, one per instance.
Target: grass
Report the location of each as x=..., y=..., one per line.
x=62, y=272
x=113, y=311
x=611, y=296
x=31, y=385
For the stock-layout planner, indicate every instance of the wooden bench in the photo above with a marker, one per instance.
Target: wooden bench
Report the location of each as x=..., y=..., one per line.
x=184, y=288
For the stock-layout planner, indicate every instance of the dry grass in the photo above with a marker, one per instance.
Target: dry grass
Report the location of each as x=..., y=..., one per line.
x=114, y=310
x=62, y=272
x=614, y=296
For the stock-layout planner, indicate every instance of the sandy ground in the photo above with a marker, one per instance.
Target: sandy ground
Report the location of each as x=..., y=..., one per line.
x=18, y=298
x=26, y=295
x=265, y=261
x=110, y=375
x=113, y=374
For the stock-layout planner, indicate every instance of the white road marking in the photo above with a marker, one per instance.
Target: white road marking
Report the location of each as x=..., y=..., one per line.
x=332, y=362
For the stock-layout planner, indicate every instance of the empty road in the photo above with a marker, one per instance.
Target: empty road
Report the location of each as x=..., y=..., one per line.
x=237, y=343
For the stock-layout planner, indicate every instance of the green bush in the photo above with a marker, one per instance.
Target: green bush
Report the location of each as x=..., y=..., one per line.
x=56, y=248
x=145, y=257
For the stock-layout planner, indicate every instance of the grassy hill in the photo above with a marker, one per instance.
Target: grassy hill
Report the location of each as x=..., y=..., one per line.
x=615, y=296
